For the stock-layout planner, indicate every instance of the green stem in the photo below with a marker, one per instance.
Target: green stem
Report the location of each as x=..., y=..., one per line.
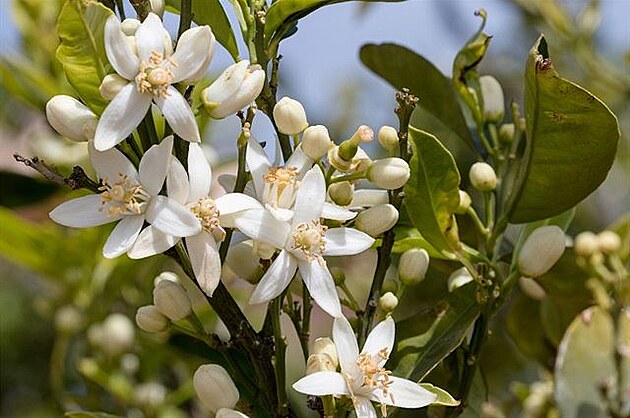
x=348, y=177
x=185, y=17
x=354, y=305
x=121, y=9
x=478, y=222
x=305, y=333
x=280, y=353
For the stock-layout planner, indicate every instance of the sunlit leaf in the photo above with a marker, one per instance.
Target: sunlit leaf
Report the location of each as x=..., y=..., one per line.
x=571, y=143
x=443, y=397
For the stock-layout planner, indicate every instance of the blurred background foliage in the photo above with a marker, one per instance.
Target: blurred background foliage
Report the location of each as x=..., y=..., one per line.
x=57, y=293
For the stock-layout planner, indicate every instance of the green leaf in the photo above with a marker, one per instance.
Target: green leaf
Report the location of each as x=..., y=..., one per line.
x=422, y=344
x=283, y=12
x=524, y=327
x=571, y=143
x=408, y=243
x=432, y=192
x=443, y=397
x=402, y=67
x=211, y=13
x=82, y=49
x=585, y=360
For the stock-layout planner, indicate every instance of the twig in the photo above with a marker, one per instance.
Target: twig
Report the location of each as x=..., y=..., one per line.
x=77, y=180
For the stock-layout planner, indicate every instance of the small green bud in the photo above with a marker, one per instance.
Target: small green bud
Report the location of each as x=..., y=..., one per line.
x=506, y=133
x=341, y=193
x=388, y=137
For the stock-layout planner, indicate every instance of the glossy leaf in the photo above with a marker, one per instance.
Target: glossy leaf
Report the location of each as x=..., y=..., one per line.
x=571, y=143
x=432, y=192
x=402, y=67
x=283, y=12
x=423, y=344
x=82, y=49
x=443, y=397
x=211, y=13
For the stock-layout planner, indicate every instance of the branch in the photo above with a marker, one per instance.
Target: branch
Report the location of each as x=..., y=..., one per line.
x=77, y=180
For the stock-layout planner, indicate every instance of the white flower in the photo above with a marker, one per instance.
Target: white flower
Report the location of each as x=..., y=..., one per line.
x=363, y=377
x=151, y=69
x=303, y=242
x=193, y=192
x=128, y=195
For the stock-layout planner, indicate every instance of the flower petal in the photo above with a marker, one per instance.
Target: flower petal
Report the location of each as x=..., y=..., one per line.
x=231, y=203
x=205, y=261
x=276, y=279
x=191, y=53
x=177, y=182
x=123, y=236
x=281, y=214
x=118, y=50
x=261, y=225
x=321, y=286
x=405, y=394
x=364, y=408
x=82, y=212
x=322, y=383
x=227, y=181
x=111, y=163
x=172, y=218
x=121, y=116
x=300, y=161
x=258, y=164
x=228, y=83
x=151, y=241
x=178, y=114
x=310, y=197
x=249, y=90
x=346, y=345
x=346, y=241
x=200, y=173
x=381, y=337
x=154, y=166
x=150, y=37
x=337, y=213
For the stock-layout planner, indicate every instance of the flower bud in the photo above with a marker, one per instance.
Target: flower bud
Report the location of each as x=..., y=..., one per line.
x=324, y=345
x=117, y=334
x=214, y=387
x=464, y=202
x=413, y=266
x=68, y=319
x=238, y=86
x=157, y=7
x=111, y=86
x=319, y=363
x=541, y=250
x=459, y=278
x=71, y=118
x=531, y=288
x=506, y=133
x=388, y=302
x=166, y=275
x=290, y=116
x=369, y=197
x=377, y=219
x=482, y=177
x=349, y=148
x=586, y=244
x=608, y=242
x=241, y=261
x=336, y=161
x=129, y=26
x=150, y=319
x=316, y=141
x=389, y=173
x=171, y=299
x=388, y=137
x=341, y=193
x=191, y=37
x=493, y=102
x=229, y=413
x=150, y=394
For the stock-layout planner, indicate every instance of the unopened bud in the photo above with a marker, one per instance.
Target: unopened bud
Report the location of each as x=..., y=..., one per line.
x=377, y=219
x=608, y=242
x=129, y=26
x=117, y=334
x=541, y=250
x=319, y=363
x=316, y=141
x=68, y=319
x=214, y=387
x=242, y=262
x=493, y=101
x=111, y=86
x=171, y=299
x=157, y=7
x=531, y=288
x=229, y=413
x=459, y=278
x=71, y=118
x=506, y=133
x=389, y=173
x=129, y=363
x=348, y=149
x=166, y=275
x=388, y=137
x=150, y=395
x=464, y=202
x=341, y=193
x=413, y=266
x=482, y=177
x=238, y=86
x=150, y=319
x=290, y=116
x=586, y=244
x=324, y=345
x=388, y=302
x=369, y=197
x=338, y=275
x=336, y=161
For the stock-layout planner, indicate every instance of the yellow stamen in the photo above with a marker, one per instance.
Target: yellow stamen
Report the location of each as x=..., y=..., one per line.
x=122, y=197
x=208, y=214
x=308, y=238
x=155, y=76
